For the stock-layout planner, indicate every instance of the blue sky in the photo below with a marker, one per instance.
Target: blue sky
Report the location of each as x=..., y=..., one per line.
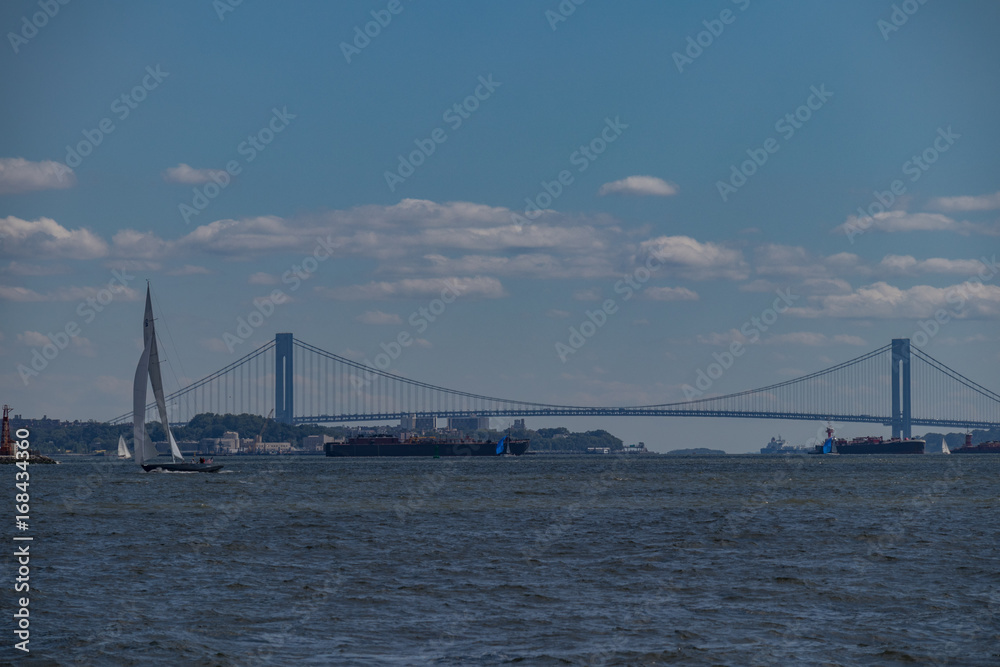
x=887, y=96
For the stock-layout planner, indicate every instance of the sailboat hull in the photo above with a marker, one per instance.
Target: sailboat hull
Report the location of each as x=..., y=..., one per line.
x=182, y=467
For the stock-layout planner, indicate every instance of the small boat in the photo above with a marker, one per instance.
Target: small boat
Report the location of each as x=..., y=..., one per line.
x=148, y=372
x=123, y=452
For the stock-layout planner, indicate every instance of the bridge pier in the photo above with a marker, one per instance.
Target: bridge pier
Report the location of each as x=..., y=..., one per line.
x=901, y=381
x=284, y=399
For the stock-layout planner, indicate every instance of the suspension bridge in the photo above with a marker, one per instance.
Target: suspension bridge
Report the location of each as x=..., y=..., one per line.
x=897, y=385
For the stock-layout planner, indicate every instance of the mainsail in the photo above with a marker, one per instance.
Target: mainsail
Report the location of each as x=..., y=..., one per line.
x=148, y=370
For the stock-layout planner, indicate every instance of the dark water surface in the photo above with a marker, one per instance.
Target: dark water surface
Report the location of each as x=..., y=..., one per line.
x=734, y=560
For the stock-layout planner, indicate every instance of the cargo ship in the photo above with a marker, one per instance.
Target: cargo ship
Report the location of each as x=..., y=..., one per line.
x=991, y=447
x=780, y=446
x=388, y=445
x=869, y=445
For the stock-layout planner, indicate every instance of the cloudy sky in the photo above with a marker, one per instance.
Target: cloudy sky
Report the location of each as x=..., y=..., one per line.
x=533, y=154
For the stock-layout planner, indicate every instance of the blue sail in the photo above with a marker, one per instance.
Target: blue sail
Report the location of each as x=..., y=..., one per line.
x=500, y=445
x=828, y=446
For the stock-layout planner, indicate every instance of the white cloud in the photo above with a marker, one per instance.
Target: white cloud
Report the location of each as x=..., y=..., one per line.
x=587, y=295
x=45, y=238
x=908, y=265
x=78, y=344
x=901, y=221
x=882, y=300
x=772, y=259
x=142, y=265
x=21, y=269
x=639, y=185
x=261, y=278
x=139, y=245
x=412, y=238
x=685, y=257
x=83, y=346
x=188, y=175
x=848, y=339
x=378, y=317
x=189, y=270
x=476, y=287
x=821, y=286
x=18, y=175
x=671, y=294
x=967, y=203
x=33, y=339
x=726, y=338
x=535, y=265
x=72, y=293
x=813, y=339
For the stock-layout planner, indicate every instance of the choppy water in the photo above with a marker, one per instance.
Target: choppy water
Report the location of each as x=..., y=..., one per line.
x=542, y=560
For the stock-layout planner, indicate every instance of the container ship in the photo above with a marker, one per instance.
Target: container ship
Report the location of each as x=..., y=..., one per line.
x=992, y=447
x=388, y=445
x=869, y=445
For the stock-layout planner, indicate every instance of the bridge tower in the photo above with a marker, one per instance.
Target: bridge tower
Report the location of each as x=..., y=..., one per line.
x=901, y=388
x=284, y=400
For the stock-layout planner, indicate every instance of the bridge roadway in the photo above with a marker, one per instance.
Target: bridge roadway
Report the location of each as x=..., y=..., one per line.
x=642, y=412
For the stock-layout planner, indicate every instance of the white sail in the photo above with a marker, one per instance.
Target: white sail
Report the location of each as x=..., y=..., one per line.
x=144, y=449
x=157, y=381
x=944, y=448
x=123, y=452
x=175, y=451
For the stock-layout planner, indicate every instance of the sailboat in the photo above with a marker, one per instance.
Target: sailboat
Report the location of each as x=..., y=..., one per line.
x=123, y=452
x=148, y=372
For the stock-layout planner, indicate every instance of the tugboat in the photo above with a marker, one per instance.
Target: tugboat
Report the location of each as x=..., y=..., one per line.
x=991, y=447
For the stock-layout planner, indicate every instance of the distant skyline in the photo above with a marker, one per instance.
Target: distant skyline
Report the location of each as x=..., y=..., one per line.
x=334, y=168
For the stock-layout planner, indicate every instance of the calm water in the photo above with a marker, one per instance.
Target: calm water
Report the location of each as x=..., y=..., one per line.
x=541, y=560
